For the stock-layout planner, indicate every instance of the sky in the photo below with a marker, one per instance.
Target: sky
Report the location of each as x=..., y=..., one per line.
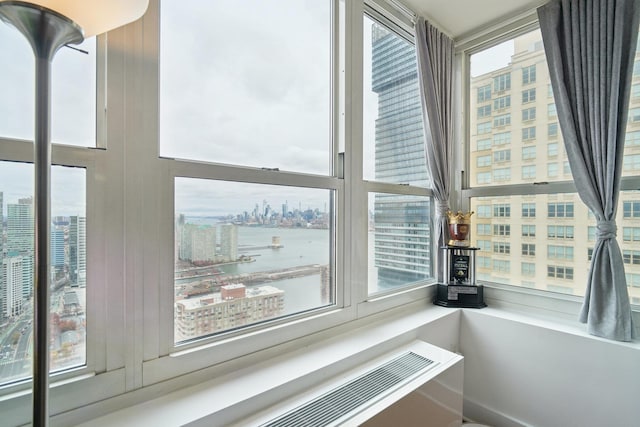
x=197, y=197
x=240, y=90
x=73, y=117
x=237, y=89
x=491, y=59
x=243, y=92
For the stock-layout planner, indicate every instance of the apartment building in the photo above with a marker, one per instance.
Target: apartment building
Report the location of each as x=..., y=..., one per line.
x=537, y=241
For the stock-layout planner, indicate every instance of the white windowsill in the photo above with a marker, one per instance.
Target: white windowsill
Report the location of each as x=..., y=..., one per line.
x=245, y=388
x=229, y=396
x=551, y=310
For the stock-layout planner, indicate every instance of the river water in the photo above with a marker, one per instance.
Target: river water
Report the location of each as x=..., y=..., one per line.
x=300, y=246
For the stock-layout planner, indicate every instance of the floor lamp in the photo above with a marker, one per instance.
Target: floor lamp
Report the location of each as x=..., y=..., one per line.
x=48, y=25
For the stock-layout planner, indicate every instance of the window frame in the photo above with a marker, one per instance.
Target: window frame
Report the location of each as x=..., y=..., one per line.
x=104, y=259
x=466, y=48
x=376, y=11
x=130, y=195
x=164, y=359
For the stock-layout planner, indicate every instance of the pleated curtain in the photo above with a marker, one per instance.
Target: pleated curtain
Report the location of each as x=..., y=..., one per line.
x=435, y=73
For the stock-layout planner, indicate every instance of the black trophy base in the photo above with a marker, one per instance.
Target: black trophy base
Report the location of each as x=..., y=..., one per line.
x=463, y=296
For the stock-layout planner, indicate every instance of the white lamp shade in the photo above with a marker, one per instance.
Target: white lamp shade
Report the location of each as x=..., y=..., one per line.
x=96, y=16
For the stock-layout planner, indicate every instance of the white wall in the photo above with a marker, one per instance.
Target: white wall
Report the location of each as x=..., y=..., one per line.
x=526, y=371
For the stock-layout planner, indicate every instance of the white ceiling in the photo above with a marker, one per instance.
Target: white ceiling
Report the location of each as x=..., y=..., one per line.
x=462, y=18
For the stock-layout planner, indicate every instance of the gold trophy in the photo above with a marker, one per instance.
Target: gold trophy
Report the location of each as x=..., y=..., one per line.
x=459, y=227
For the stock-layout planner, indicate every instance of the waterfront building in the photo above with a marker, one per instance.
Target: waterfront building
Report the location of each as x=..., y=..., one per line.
x=228, y=242
x=235, y=305
x=199, y=243
x=402, y=223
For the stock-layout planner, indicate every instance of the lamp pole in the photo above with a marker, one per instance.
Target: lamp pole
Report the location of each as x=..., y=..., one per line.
x=47, y=31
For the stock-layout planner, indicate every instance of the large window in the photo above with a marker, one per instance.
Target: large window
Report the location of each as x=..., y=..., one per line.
x=68, y=270
x=399, y=249
x=529, y=74
x=543, y=187
x=248, y=251
x=73, y=124
x=502, y=102
x=502, y=82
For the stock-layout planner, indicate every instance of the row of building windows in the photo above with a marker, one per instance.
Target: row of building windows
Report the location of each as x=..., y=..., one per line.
x=630, y=209
x=528, y=95
x=554, y=210
x=527, y=172
x=528, y=133
x=505, y=102
x=565, y=253
x=529, y=230
x=503, y=82
x=527, y=268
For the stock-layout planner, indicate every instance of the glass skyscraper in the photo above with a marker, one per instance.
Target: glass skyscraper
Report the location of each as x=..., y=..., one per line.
x=402, y=222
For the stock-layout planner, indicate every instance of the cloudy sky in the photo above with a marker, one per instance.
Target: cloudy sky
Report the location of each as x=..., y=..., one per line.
x=236, y=87
x=241, y=89
x=73, y=116
x=491, y=59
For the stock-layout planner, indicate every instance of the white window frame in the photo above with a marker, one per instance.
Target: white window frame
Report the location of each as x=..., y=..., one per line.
x=130, y=197
x=162, y=358
x=465, y=48
x=528, y=95
x=104, y=370
x=529, y=114
x=368, y=304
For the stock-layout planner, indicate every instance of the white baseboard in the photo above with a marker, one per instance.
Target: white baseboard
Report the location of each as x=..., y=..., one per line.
x=479, y=413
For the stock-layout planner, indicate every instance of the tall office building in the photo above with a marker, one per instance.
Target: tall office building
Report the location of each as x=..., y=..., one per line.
x=402, y=223
x=78, y=251
x=57, y=249
x=20, y=242
x=20, y=226
x=542, y=241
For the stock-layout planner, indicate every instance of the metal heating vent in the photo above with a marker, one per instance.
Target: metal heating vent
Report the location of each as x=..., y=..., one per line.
x=362, y=390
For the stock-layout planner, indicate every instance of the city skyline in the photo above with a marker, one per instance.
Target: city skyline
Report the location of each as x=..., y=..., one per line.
x=199, y=197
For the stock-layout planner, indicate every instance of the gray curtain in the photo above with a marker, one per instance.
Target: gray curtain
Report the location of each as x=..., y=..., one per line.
x=590, y=46
x=435, y=74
